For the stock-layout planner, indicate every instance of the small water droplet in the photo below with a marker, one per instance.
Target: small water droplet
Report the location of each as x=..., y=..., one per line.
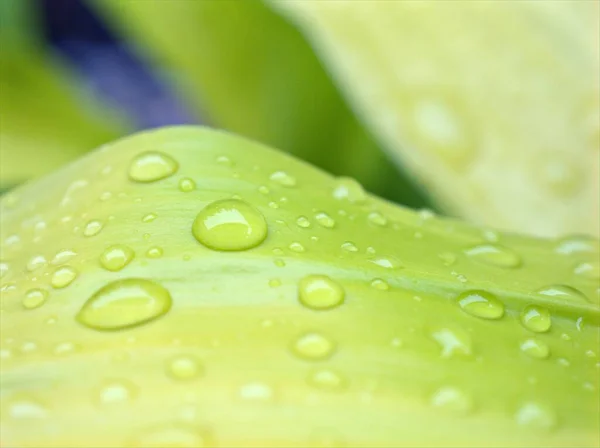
x=448, y=258
x=313, y=346
x=346, y=188
x=494, y=255
x=184, y=367
x=151, y=166
x=563, y=362
x=116, y=257
x=536, y=318
x=386, y=262
x=256, y=391
x=116, y=392
x=325, y=220
x=563, y=292
x=27, y=408
x=380, y=284
x=149, y=217
x=63, y=277
x=224, y=160
x=3, y=269
x=284, y=179
x=63, y=256
x=34, y=298
x=535, y=348
x=186, y=185
x=105, y=196
x=263, y=189
x=349, y=246
x=535, y=416
x=481, y=304
x=296, y=247
x=577, y=244
x=327, y=379
x=320, y=292
x=588, y=269
x=36, y=262
x=274, y=283
x=93, y=228
x=377, y=218
x=453, y=342
x=173, y=435
x=154, y=252
x=279, y=262
x=64, y=348
x=230, y=225
x=125, y=303
x=303, y=222
x=452, y=399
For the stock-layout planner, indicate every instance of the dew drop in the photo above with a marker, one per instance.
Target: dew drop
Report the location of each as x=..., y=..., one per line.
x=588, y=269
x=453, y=342
x=481, y=304
x=563, y=292
x=320, y=292
x=184, y=368
x=535, y=416
x=117, y=392
x=124, y=304
x=34, y=298
x=263, y=189
x=494, y=255
x=92, y=228
x=63, y=256
x=224, y=160
x=348, y=189
x=535, y=318
x=27, y=408
x=313, y=346
x=174, y=435
x=3, y=269
x=186, y=185
x=448, y=258
x=577, y=244
x=149, y=217
x=151, y=166
x=349, y=246
x=154, y=252
x=274, y=283
x=325, y=220
x=63, y=277
x=116, y=257
x=386, y=262
x=296, y=247
x=303, y=222
x=380, y=284
x=64, y=348
x=452, y=399
x=377, y=218
x=284, y=179
x=327, y=379
x=230, y=225
x=535, y=349
x=256, y=391
x=36, y=262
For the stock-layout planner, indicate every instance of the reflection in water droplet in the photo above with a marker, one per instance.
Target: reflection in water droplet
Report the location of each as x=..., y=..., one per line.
x=563, y=292
x=117, y=391
x=377, y=218
x=184, y=368
x=453, y=342
x=256, y=391
x=34, y=298
x=151, y=166
x=313, y=346
x=93, y=228
x=535, y=348
x=63, y=277
x=536, y=318
x=494, y=255
x=284, y=179
x=481, y=304
x=452, y=399
x=230, y=225
x=535, y=416
x=588, y=269
x=327, y=379
x=325, y=220
x=186, y=185
x=125, y=303
x=320, y=292
x=346, y=188
x=116, y=257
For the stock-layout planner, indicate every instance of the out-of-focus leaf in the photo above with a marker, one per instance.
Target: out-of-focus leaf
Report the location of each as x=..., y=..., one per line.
x=494, y=105
x=44, y=121
x=245, y=69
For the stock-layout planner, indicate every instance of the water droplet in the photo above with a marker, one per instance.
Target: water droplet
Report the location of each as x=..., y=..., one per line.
x=154, y=252
x=186, y=184
x=27, y=408
x=63, y=256
x=327, y=379
x=3, y=269
x=563, y=292
x=349, y=246
x=303, y=222
x=263, y=189
x=297, y=247
x=536, y=318
x=320, y=292
x=184, y=368
x=377, y=218
x=577, y=244
x=125, y=303
x=588, y=269
x=325, y=220
x=452, y=399
x=63, y=277
x=116, y=257
x=481, y=304
x=563, y=362
x=230, y=225
x=256, y=391
x=380, y=284
x=494, y=255
x=346, y=188
x=386, y=262
x=149, y=217
x=284, y=179
x=34, y=298
x=151, y=166
x=279, y=262
x=560, y=173
x=535, y=416
x=224, y=160
x=313, y=346
x=116, y=392
x=36, y=262
x=105, y=196
x=64, y=348
x=172, y=435
x=274, y=283
x=92, y=228
x=535, y=349
x=453, y=342
x=448, y=258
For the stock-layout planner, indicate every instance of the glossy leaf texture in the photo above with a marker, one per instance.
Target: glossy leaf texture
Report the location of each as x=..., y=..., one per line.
x=243, y=68
x=493, y=105
x=187, y=287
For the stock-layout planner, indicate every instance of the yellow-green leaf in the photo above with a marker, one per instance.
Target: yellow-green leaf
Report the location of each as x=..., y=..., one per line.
x=186, y=287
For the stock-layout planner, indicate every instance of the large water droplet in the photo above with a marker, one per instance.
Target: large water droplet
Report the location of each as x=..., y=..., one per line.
x=346, y=188
x=151, y=166
x=230, y=225
x=313, y=346
x=452, y=399
x=184, y=368
x=117, y=391
x=453, y=342
x=494, y=255
x=116, y=257
x=284, y=179
x=327, y=379
x=92, y=228
x=535, y=416
x=320, y=292
x=34, y=298
x=481, y=304
x=588, y=269
x=535, y=348
x=325, y=220
x=563, y=292
x=63, y=277
x=536, y=318
x=125, y=303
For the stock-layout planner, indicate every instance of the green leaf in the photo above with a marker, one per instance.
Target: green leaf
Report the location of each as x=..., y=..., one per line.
x=189, y=287
x=493, y=105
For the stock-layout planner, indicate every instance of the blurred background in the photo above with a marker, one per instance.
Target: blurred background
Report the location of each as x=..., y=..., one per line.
x=483, y=110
